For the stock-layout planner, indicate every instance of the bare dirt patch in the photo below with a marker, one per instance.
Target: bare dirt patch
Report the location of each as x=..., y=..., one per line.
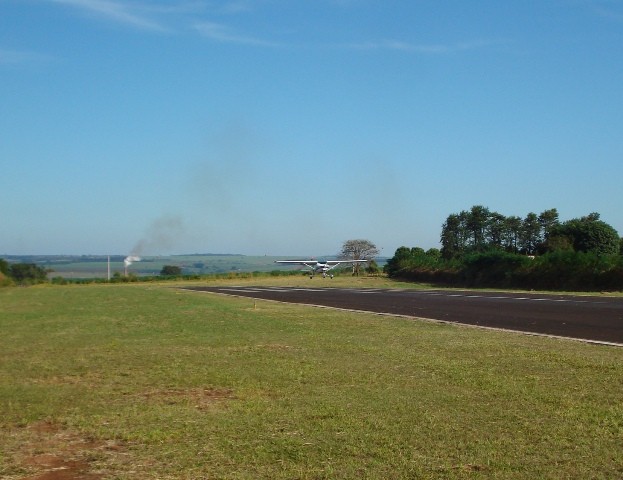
x=50, y=451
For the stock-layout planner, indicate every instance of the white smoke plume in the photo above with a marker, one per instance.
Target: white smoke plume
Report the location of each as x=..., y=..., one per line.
x=130, y=259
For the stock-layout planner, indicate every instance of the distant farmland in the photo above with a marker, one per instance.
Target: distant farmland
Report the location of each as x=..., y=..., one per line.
x=96, y=266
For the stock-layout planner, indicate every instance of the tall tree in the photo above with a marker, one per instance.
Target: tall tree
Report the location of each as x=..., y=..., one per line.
x=454, y=235
x=548, y=220
x=513, y=234
x=530, y=234
x=497, y=230
x=477, y=222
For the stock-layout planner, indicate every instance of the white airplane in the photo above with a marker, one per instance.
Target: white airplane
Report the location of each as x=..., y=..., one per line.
x=319, y=265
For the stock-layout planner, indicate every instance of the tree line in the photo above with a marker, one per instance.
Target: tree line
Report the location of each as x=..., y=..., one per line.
x=480, y=247
x=479, y=229
x=21, y=273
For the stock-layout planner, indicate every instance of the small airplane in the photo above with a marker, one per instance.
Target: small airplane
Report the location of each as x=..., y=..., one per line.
x=319, y=265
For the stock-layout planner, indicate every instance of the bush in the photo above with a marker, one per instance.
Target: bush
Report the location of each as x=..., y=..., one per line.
x=559, y=270
x=5, y=281
x=27, y=273
x=494, y=268
x=171, y=271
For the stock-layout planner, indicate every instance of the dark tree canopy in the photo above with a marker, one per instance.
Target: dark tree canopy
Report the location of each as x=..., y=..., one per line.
x=587, y=234
x=479, y=230
x=170, y=271
x=27, y=273
x=406, y=258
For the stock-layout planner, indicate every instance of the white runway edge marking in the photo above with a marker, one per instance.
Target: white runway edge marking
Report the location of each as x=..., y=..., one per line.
x=417, y=292
x=500, y=297
x=462, y=295
x=304, y=289
x=424, y=319
x=241, y=290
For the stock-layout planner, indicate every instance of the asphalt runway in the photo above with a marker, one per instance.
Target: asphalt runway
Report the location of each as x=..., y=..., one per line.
x=590, y=318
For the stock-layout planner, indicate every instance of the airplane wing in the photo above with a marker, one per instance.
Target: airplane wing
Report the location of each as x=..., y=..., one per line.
x=296, y=262
x=337, y=262
x=331, y=264
x=313, y=262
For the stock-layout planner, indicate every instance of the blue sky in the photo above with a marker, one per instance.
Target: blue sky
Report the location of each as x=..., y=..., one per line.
x=286, y=127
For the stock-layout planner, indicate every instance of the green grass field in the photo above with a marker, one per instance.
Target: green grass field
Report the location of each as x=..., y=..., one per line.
x=145, y=381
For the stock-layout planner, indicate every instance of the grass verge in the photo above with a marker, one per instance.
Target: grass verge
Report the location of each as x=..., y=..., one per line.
x=145, y=381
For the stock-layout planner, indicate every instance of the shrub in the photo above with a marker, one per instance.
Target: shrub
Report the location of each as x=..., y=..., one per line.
x=171, y=271
x=27, y=273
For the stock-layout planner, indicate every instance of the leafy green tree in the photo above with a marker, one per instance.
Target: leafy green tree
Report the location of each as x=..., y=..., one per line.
x=406, y=260
x=497, y=230
x=400, y=260
x=402, y=253
x=27, y=273
x=512, y=238
x=480, y=230
x=373, y=267
x=453, y=236
x=171, y=271
x=557, y=243
x=434, y=253
x=589, y=234
x=530, y=234
x=548, y=220
x=477, y=223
